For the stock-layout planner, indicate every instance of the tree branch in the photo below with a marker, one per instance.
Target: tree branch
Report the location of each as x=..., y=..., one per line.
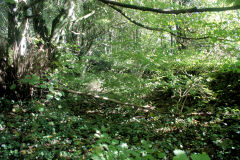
x=167, y=11
x=97, y=97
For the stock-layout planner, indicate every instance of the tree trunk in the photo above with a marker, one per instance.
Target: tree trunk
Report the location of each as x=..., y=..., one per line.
x=14, y=52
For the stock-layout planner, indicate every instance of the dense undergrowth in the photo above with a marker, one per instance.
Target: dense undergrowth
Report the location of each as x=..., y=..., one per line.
x=192, y=112
x=115, y=80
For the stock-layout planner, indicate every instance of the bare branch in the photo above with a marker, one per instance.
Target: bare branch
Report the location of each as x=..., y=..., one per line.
x=167, y=11
x=84, y=17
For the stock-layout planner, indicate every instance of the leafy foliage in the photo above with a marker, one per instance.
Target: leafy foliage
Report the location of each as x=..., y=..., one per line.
x=112, y=90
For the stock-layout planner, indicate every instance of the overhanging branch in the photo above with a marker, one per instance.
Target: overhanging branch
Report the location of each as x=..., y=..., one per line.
x=167, y=11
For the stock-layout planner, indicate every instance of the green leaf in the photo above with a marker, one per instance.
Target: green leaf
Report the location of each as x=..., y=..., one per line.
x=43, y=86
x=161, y=155
x=13, y=86
x=180, y=155
x=41, y=109
x=178, y=152
x=49, y=96
x=229, y=1
x=235, y=2
x=203, y=156
x=34, y=80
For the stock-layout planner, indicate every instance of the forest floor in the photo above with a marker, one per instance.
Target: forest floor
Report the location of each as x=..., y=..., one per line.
x=39, y=131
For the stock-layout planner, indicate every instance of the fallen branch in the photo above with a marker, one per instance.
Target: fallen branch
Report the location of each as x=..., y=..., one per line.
x=98, y=97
